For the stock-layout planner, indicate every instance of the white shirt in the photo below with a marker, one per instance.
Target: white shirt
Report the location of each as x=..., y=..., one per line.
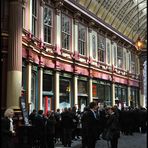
x=11, y=125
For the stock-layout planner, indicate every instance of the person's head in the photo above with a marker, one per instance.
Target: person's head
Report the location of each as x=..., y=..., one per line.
x=9, y=113
x=110, y=110
x=40, y=112
x=93, y=105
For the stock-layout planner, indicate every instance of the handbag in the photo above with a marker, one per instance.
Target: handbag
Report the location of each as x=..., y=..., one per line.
x=107, y=135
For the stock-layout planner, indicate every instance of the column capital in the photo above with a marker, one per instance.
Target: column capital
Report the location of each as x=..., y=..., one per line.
x=42, y=3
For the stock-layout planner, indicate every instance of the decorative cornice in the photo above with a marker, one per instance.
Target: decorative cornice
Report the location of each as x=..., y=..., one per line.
x=58, y=4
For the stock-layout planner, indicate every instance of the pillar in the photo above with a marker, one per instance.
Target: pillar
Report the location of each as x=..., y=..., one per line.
x=14, y=73
x=57, y=89
x=75, y=89
x=40, y=92
x=28, y=93
x=113, y=93
x=90, y=90
x=129, y=95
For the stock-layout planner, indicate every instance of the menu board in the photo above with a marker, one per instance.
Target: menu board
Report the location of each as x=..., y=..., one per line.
x=24, y=110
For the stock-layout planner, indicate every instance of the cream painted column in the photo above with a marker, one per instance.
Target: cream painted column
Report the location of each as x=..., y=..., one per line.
x=57, y=31
x=75, y=90
x=40, y=92
x=28, y=93
x=129, y=95
x=57, y=99
x=113, y=94
x=90, y=90
x=75, y=37
x=14, y=73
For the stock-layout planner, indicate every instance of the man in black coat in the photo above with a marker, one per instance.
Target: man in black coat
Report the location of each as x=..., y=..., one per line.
x=91, y=123
x=67, y=124
x=39, y=129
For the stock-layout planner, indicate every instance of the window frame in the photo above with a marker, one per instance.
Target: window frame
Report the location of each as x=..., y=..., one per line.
x=49, y=37
x=66, y=46
x=83, y=49
x=101, y=51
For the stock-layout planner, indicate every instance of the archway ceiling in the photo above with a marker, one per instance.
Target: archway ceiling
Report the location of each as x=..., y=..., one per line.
x=127, y=16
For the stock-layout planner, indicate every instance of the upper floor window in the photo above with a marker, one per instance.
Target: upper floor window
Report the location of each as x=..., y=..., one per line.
x=119, y=57
x=115, y=54
x=48, y=24
x=108, y=48
x=124, y=60
x=133, y=63
x=82, y=39
x=23, y=15
x=101, y=48
x=34, y=17
x=94, y=46
x=66, y=31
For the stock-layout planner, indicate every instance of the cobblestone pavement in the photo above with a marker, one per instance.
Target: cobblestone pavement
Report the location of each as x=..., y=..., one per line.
x=137, y=140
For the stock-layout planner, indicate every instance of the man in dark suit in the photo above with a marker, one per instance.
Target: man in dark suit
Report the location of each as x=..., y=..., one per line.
x=67, y=125
x=39, y=126
x=92, y=125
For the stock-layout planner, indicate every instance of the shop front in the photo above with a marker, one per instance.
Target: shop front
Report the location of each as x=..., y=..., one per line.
x=82, y=93
x=121, y=98
x=101, y=91
x=48, y=95
x=65, y=91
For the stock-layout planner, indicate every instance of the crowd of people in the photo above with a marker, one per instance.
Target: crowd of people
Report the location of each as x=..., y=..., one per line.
x=71, y=124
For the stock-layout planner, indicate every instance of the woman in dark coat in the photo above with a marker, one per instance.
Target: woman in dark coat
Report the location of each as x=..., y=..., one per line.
x=113, y=125
x=7, y=130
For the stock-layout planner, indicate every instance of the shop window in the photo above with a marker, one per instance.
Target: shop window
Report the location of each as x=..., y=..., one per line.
x=94, y=89
x=48, y=24
x=47, y=82
x=82, y=87
x=24, y=74
x=82, y=39
x=101, y=48
x=64, y=93
x=34, y=87
x=66, y=32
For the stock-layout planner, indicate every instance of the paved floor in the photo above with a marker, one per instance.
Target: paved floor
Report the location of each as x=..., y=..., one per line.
x=137, y=140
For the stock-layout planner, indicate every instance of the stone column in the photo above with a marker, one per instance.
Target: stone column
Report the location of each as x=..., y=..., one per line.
x=28, y=93
x=14, y=73
x=75, y=89
x=90, y=90
x=113, y=93
x=57, y=98
x=40, y=92
x=129, y=95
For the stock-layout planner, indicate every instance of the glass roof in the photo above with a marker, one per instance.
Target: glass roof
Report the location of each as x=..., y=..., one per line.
x=127, y=16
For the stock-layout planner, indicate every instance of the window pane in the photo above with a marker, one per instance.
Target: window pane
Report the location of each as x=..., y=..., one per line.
x=66, y=31
x=94, y=46
x=119, y=57
x=101, y=48
x=82, y=39
x=48, y=25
